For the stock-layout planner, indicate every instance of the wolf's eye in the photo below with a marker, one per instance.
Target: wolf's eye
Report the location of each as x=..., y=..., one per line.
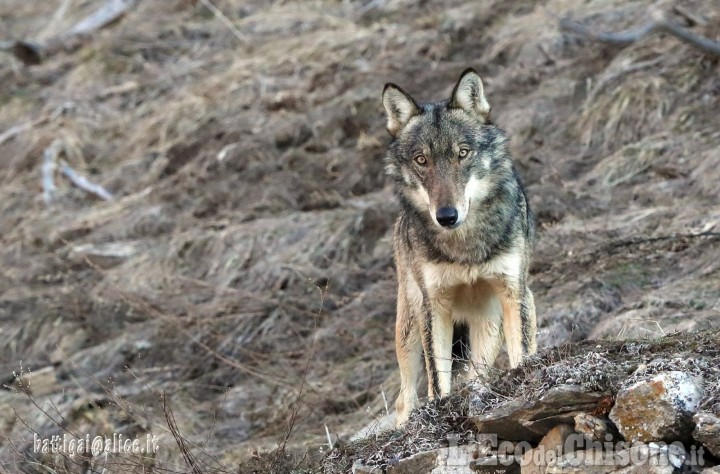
x=464, y=153
x=421, y=160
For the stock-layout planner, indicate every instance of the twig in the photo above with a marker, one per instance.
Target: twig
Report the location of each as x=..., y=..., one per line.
x=549, y=60
x=33, y=53
x=18, y=129
x=49, y=166
x=621, y=38
x=190, y=460
x=387, y=409
x=226, y=21
x=83, y=183
x=109, y=13
x=57, y=16
x=691, y=17
x=280, y=451
x=370, y=6
x=624, y=328
x=15, y=130
x=327, y=433
x=659, y=23
x=123, y=88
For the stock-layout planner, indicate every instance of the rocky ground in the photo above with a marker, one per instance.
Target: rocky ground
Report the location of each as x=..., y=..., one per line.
x=234, y=296
x=597, y=406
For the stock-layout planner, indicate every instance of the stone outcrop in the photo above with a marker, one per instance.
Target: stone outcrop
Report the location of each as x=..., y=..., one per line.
x=553, y=445
x=520, y=420
x=659, y=408
x=621, y=408
x=639, y=459
x=707, y=431
x=593, y=428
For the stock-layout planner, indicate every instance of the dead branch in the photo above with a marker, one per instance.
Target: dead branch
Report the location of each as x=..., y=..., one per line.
x=15, y=130
x=658, y=23
x=189, y=458
x=83, y=183
x=226, y=21
x=50, y=156
x=50, y=165
x=691, y=17
x=33, y=53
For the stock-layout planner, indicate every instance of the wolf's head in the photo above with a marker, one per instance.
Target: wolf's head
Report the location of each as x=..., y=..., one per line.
x=443, y=155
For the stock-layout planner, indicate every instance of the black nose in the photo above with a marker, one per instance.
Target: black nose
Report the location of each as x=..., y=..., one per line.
x=446, y=216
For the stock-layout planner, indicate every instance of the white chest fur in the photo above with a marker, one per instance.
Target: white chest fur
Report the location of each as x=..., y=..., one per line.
x=507, y=267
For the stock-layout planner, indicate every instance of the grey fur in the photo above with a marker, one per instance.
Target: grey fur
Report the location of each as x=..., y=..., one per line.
x=483, y=259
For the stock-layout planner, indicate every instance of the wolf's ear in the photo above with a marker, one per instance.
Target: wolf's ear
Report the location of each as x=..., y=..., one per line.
x=469, y=96
x=399, y=106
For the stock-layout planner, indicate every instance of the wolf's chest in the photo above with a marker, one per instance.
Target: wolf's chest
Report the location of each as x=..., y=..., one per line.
x=506, y=266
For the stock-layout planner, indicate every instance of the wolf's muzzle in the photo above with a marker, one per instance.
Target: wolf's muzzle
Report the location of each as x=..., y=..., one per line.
x=447, y=216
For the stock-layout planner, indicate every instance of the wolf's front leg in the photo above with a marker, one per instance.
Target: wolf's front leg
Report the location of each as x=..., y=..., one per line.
x=529, y=319
x=409, y=350
x=518, y=321
x=512, y=323
x=437, y=344
x=485, y=331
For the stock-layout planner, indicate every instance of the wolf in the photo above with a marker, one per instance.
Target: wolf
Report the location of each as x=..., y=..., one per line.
x=463, y=239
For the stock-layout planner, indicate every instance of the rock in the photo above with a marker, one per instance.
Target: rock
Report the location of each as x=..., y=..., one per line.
x=591, y=462
x=594, y=429
x=420, y=462
x=711, y=470
x=550, y=447
x=657, y=409
x=494, y=463
x=653, y=459
x=465, y=459
x=521, y=420
x=359, y=468
x=458, y=459
x=707, y=431
x=555, y=439
x=582, y=462
x=639, y=459
x=534, y=462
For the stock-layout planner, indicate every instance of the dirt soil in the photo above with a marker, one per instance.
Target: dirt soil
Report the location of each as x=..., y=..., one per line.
x=237, y=293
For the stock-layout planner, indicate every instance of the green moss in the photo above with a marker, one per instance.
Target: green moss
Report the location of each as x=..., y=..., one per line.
x=627, y=275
